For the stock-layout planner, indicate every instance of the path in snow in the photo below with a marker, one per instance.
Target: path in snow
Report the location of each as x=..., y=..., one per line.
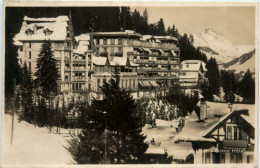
x=32, y=146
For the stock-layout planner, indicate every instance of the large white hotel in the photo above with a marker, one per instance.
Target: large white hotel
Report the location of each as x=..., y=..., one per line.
x=86, y=61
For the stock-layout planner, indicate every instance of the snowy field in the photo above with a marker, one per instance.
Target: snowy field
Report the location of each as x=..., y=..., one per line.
x=32, y=146
x=165, y=134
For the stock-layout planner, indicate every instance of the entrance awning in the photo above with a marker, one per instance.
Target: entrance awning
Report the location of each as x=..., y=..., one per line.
x=153, y=83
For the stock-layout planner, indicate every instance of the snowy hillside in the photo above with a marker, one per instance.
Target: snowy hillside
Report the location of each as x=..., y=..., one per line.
x=242, y=64
x=215, y=45
x=32, y=145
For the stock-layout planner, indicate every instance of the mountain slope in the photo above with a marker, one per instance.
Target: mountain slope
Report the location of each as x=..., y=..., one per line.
x=215, y=45
x=242, y=63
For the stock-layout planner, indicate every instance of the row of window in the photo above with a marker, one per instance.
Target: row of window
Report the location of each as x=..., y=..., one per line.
x=112, y=41
x=221, y=157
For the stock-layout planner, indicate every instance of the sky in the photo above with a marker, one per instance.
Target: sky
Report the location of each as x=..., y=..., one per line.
x=236, y=24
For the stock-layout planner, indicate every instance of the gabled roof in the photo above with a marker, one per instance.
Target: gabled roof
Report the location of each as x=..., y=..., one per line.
x=193, y=65
x=194, y=130
x=58, y=26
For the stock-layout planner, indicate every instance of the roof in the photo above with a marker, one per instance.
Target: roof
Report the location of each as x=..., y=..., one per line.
x=99, y=60
x=119, y=61
x=58, y=26
x=192, y=65
x=83, y=37
x=83, y=43
x=195, y=130
x=125, y=33
x=57, y=19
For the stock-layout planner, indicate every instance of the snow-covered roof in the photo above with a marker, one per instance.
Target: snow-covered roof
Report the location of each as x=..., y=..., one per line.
x=57, y=19
x=192, y=65
x=83, y=37
x=169, y=38
x=125, y=33
x=58, y=27
x=194, y=130
x=83, y=43
x=120, y=61
x=99, y=60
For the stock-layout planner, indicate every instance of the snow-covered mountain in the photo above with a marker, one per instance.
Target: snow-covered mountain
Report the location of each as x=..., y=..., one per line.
x=241, y=64
x=213, y=44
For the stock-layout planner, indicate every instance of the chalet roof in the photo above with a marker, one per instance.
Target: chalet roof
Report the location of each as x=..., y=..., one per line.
x=195, y=130
x=192, y=65
x=58, y=26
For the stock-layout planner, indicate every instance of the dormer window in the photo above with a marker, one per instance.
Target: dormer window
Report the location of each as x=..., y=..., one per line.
x=47, y=32
x=29, y=32
x=187, y=65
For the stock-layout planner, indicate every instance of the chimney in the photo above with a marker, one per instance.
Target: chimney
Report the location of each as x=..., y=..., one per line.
x=203, y=109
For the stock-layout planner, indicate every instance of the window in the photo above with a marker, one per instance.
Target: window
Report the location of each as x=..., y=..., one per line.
x=112, y=41
x=105, y=49
x=112, y=50
x=235, y=158
x=126, y=84
x=207, y=157
x=229, y=132
x=104, y=81
x=98, y=84
x=122, y=84
x=134, y=84
x=30, y=45
x=248, y=158
x=105, y=41
x=119, y=41
x=235, y=133
x=120, y=49
x=66, y=77
x=130, y=83
x=30, y=55
x=30, y=65
x=97, y=41
x=222, y=157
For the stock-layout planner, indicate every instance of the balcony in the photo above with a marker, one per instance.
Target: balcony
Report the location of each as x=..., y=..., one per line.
x=230, y=143
x=137, y=43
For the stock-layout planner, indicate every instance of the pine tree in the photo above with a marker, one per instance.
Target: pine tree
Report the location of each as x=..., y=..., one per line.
x=247, y=87
x=213, y=75
x=123, y=123
x=27, y=96
x=47, y=72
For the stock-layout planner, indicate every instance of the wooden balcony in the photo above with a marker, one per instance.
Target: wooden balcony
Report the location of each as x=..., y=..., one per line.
x=230, y=143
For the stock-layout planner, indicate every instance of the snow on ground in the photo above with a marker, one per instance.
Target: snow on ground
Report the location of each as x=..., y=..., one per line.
x=32, y=145
x=165, y=134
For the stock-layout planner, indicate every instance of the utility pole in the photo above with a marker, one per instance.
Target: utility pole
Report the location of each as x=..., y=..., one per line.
x=13, y=109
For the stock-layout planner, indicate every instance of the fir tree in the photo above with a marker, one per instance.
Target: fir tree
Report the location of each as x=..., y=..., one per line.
x=247, y=87
x=27, y=96
x=213, y=75
x=47, y=72
x=123, y=122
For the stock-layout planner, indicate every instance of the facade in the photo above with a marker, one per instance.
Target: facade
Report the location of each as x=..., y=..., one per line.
x=192, y=72
x=86, y=61
x=35, y=31
x=219, y=137
x=157, y=57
